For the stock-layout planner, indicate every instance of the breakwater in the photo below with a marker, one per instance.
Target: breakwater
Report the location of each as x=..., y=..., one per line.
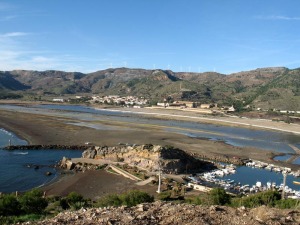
x=42, y=147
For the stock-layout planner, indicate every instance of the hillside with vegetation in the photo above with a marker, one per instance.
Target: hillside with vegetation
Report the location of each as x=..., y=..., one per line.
x=267, y=88
x=137, y=207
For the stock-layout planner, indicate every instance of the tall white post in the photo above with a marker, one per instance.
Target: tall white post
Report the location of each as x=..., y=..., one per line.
x=159, y=181
x=159, y=175
x=284, y=183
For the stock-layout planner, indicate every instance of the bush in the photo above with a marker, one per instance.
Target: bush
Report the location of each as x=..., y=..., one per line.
x=288, y=203
x=9, y=205
x=218, y=196
x=109, y=200
x=268, y=198
x=23, y=218
x=130, y=198
x=164, y=196
x=74, y=201
x=32, y=202
x=196, y=200
x=135, y=197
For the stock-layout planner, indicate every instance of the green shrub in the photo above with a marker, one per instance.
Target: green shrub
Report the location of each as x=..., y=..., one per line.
x=26, y=218
x=135, y=197
x=54, y=208
x=196, y=200
x=32, y=202
x=165, y=196
x=268, y=198
x=109, y=200
x=218, y=196
x=130, y=198
x=74, y=201
x=288, y=203
x=9, y=205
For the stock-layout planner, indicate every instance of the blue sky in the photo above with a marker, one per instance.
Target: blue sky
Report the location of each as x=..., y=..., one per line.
x=181, y=35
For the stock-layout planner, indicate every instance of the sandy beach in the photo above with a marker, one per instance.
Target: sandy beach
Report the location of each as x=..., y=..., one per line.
x=94, y=184
x=53, y=129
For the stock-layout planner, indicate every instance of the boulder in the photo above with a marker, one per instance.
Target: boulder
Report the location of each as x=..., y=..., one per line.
x=70, y=165
x=48, y=173
x=89, y=153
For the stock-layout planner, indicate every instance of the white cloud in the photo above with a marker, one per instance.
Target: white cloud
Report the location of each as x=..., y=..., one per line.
x=13, y=34
x=41, y=59
x=273, y=17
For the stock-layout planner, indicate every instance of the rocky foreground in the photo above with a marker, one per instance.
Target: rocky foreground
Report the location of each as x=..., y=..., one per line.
x=171, y=213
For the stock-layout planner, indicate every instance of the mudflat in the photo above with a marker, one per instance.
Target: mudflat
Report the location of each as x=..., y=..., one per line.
x=49, y=128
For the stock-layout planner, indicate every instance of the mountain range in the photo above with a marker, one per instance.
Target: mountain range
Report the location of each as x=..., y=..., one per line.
x=273, y=87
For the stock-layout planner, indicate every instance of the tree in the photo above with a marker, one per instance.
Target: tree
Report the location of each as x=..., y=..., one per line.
x=238, y=106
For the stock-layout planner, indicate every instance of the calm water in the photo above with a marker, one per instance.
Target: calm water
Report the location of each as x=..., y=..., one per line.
x=283, y=157
x=14, y=173
x=249, y=175
x=286, y=157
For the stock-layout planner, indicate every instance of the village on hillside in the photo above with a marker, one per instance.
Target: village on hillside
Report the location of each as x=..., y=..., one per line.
x=141, y=102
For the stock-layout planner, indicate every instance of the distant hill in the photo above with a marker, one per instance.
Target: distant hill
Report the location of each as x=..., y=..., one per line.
x=275, y=87
x=8, y=82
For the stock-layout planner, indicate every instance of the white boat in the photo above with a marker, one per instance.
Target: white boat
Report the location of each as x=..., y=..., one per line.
x=277, y=169
x=269, y=167
x=258, y=184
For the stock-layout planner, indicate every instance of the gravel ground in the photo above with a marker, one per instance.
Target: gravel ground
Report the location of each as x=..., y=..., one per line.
x=176, y=214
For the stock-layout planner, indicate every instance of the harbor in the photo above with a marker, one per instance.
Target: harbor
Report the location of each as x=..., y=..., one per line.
x=253, y=177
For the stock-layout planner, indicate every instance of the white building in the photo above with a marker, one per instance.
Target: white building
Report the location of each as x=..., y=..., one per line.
x=58, y=100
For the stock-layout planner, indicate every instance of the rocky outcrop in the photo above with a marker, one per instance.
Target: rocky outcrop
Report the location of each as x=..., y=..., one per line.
x=66, y=163
x=149, y=157
x=171, y=213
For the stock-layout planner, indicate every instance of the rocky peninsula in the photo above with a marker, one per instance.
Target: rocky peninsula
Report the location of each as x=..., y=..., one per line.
x=149, y=157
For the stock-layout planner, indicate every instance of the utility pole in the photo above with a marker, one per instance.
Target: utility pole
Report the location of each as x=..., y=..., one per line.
x=159, y=181
x=284, y=183
x=159, y=176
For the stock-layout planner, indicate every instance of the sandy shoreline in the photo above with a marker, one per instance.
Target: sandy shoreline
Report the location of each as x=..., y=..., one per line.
x=258, y=124
x=50, y=129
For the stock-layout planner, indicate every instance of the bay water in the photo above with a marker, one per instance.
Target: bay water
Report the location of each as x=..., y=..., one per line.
x=18, y=171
